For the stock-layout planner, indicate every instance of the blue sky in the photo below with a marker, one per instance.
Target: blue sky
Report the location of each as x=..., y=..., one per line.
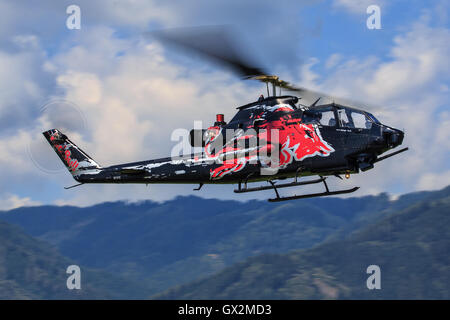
x=117, y=84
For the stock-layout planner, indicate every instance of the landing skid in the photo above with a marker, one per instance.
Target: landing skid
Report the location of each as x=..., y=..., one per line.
x=312, y=195
x=284, y=185
x=275, y=187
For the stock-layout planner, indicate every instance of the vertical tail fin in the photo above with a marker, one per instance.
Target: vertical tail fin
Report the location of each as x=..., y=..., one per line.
x=75, y=159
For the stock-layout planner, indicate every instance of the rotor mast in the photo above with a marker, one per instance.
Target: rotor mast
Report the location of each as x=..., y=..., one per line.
x=275, y=81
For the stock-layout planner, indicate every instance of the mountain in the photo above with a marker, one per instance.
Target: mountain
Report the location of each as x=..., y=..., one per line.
x=410, y=246
x=32, y=269
x=161, y=245
x=165, y=244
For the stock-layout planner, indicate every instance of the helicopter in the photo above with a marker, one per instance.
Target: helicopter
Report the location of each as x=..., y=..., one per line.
x=270, y=140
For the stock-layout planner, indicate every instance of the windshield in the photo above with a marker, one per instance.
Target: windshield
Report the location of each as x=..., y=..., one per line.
x=323, y=116
x=351, y=118
x=372, y=117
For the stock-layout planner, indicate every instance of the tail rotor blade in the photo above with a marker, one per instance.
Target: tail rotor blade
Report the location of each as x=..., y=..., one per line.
x=56, y=113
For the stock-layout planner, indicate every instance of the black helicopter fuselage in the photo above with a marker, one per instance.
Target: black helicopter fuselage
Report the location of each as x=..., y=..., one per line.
x=321, y=140
x=268, y=140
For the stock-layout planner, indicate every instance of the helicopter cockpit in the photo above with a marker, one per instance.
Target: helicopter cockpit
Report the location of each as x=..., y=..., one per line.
x=339, y=116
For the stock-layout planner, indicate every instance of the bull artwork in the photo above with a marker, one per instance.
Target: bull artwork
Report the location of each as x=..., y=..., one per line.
x=232, y=156
x=295, y=142
x=303, y=141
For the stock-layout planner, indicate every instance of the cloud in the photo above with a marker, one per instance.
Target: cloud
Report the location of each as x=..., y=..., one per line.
x=410, y=89
x=140, y=96
x=131, y=103
x=139, y=90
x=356, y=6
x=333, y=60
x=48, y=19
x=433, y=181
x=23, y=82
x=132, y=93
x=12, y=201
x=13, y=156
x=258, y=23
x=419, y=59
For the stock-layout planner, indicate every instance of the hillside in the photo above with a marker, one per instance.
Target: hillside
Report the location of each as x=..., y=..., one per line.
x=162, y=245
x=189, y=237
x=411, y=247
x=32, y=269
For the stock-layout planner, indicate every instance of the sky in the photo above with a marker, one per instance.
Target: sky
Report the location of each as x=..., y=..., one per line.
x=120, y=94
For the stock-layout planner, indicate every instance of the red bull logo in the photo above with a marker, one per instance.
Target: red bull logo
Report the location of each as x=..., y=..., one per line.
x=297, y=141
x=64, y=151
x=302, y=141
x=229, y=155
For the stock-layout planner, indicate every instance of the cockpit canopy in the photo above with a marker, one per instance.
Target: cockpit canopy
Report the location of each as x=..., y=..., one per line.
x=332, y=115
x=342, y=116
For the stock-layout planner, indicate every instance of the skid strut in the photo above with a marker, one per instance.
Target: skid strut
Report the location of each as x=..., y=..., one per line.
x=273, y=186
x=312, y=195
x=278, y=198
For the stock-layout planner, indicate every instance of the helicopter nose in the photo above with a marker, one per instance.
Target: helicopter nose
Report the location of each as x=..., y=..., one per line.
x=393, y=137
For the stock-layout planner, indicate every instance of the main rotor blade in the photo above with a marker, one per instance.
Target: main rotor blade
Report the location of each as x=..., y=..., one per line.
x=216, y=43
x=309, y=96
x=220, y=45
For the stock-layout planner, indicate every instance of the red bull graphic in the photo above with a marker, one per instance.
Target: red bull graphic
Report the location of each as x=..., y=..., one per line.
x=72, y=164
x=293, y=140
x=64, y=151
x=302, y=141
x=232, y=155
x=228, y=167
x=75, y=159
